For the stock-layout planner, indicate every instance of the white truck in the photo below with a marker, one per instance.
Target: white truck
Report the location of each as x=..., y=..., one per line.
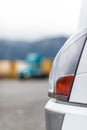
x=67, y=108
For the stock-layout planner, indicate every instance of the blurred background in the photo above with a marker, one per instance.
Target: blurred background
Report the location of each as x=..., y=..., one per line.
x=31, y=34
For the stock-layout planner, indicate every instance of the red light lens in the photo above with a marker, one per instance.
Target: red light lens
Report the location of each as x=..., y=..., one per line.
x=63, y=85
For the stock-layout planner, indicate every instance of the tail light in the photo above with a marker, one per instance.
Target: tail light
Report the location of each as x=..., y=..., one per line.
x=63, y=85
x=65, y=66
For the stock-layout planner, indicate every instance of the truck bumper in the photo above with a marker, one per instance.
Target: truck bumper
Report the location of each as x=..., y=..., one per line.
x=65, y=116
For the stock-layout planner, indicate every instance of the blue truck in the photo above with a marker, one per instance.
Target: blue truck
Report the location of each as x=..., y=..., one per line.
x=33, y=68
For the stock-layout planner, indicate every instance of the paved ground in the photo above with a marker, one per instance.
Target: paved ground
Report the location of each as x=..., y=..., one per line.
x=22, y=104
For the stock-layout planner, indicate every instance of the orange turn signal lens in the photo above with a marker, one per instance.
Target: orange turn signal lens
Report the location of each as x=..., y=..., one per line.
x=63, y=85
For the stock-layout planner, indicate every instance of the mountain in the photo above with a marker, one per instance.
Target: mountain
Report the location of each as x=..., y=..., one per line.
x=19, y=49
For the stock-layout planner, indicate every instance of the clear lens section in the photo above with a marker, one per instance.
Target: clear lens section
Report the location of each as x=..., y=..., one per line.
x=66, y=61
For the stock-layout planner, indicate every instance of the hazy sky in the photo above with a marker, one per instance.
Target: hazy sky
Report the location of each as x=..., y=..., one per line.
x=29, y=19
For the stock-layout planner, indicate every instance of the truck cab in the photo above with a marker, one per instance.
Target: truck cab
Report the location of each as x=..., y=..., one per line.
x=33, y=68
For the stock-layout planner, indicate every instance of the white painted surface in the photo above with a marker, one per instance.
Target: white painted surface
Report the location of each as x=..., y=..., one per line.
x=79, y=91
x=63, y=108
x=83, y=15
x=74, y=122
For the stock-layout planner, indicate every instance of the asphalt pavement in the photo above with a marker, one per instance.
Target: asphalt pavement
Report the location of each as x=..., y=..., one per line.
x=22, y=104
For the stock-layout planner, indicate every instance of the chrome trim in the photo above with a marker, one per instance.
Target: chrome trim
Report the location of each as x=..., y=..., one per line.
x=54, y=121
x=57, y=96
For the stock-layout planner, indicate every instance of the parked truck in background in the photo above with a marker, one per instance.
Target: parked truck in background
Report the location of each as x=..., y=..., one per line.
x=37, y=66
